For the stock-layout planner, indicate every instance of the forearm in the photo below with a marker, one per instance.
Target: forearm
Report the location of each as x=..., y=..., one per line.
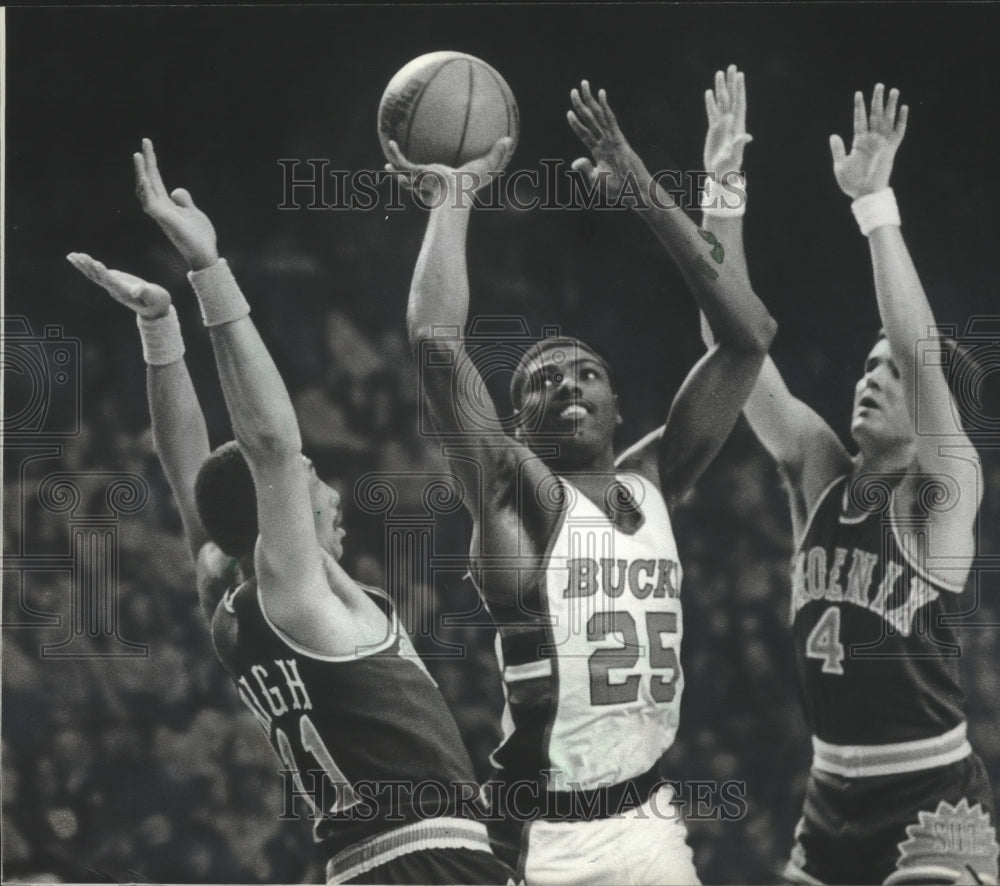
x=180, y=438
x=260, y=408
x=902, y=303
x=736, y=316
x=439, y=293
x=728, y=230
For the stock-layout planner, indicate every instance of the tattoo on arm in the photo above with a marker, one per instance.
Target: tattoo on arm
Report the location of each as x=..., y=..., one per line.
x=718, y=251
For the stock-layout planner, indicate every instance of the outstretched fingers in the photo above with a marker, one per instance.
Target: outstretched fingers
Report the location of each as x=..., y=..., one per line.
x=722, y=95
x=711, y=107
x=609, y=115
x=860, y=117
x=148, y=183
x=152, y=169
x=582, y=132
x=584, y=115
x=890, y=107
x=877, y=111
x=837, y=150
x=740, y=101
x=904, y=113
x=92, y=269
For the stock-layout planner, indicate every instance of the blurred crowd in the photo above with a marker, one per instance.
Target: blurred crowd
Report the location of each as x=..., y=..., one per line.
x=147, y=767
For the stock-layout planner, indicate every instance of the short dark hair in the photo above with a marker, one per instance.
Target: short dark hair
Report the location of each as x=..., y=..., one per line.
x=519, y=379
x=960, y=365
x=226, y=499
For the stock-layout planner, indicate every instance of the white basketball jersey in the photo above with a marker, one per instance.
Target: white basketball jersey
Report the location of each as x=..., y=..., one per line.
x=600, y=702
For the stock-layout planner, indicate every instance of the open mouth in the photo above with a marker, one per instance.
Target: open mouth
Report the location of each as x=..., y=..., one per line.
x=868, y=402
x=574, y=410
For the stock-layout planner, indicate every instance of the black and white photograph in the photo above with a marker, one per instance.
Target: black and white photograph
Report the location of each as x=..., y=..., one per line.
x=523, y=444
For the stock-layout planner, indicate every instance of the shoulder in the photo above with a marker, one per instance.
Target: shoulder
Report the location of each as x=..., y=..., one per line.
x=215, y=573
x=823, y=506
x=236, y=621
x=807, y=481
x=643, y=458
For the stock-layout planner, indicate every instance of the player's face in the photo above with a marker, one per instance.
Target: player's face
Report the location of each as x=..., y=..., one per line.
x=881, y=417
x=327, y=513
x=570, y=395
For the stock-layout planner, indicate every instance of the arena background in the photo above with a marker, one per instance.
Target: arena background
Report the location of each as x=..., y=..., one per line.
x=147, y=768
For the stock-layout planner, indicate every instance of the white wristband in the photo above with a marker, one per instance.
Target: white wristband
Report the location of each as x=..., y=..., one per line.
x=161, y=339
x=876, y=210
x=725, y=199
x=218, y=294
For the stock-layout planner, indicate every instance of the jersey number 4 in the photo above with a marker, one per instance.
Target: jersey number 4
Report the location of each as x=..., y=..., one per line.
x=824, y=643
x=662, y=688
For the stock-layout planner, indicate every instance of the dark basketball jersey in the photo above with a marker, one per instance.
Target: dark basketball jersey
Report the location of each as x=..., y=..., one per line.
x=367, y=738
x=877, y=661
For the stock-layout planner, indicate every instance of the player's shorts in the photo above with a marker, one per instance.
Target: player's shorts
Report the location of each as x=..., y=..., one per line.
x=643, y=844
x=930, y=826
x=436, y=851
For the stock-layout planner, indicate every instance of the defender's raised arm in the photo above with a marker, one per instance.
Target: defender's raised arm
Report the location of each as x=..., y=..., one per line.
x=805, y=447
x=707, y=405
x=179, y=432
x=942, y=447
x=298, y=517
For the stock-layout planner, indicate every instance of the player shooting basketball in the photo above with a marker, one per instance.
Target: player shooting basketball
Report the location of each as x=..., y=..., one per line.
x=572, y=547
x=321, y=661
x=884, y=541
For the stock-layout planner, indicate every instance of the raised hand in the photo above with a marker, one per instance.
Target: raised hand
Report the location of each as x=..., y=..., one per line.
x=877, y=137
x=146, y=299
x=429, y=180
x=187, y=227
x=726, y=108
x=595, y=125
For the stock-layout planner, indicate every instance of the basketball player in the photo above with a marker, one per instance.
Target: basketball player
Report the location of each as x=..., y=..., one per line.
x=572, y=547
x=322, y=662
x=884, y=541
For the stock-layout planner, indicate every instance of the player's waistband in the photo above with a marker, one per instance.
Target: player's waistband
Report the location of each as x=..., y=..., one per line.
x=434, y=833
x=583, y=805
x=860, y=761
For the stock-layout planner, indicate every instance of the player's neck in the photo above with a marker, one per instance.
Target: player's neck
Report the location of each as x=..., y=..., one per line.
x=592, y=481
x=888, y=460
x=570, y=468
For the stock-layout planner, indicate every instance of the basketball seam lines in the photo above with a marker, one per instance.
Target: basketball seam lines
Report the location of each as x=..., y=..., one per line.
x=503, y=93
x=468, y=113
x=416, y=103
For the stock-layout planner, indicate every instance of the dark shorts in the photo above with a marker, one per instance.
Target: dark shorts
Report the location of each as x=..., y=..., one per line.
x=440, y=866
x=932, y=826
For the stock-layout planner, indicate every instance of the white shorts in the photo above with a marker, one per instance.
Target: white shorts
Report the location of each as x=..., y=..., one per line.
x=645, y=846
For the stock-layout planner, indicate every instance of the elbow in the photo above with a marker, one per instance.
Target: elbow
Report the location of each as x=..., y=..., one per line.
x=761, y=332
x=420, y=325
x=434, y=345
x=270, y=444
x=754, y=339
x=418, y=333
x=765, y=332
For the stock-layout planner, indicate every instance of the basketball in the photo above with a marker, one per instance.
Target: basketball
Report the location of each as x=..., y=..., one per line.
x=446, y=107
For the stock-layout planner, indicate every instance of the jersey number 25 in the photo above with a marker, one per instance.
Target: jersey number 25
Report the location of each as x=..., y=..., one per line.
x=601, y=661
